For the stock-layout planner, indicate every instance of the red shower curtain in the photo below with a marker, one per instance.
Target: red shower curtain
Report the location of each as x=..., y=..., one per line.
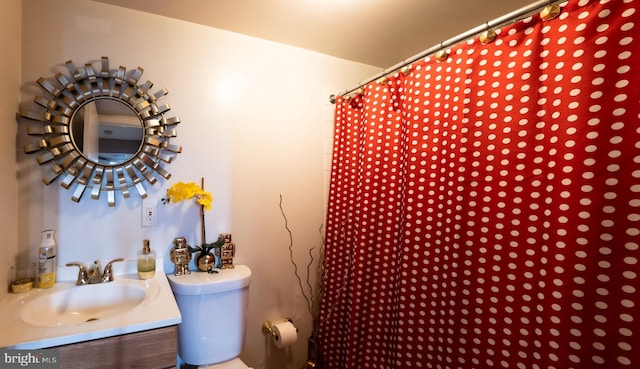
x=484, y=211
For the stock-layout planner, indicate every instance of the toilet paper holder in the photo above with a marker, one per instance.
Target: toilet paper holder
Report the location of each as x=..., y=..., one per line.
x=267, y=327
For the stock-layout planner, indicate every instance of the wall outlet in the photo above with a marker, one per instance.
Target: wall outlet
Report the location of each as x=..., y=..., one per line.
x=149, y=213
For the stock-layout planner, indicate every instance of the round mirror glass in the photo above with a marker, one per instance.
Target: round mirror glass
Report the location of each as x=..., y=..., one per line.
x=107, y=131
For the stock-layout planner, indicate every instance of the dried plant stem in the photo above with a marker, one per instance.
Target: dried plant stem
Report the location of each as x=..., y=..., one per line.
x=319, y=281
x=311, y=299
x=308, y=299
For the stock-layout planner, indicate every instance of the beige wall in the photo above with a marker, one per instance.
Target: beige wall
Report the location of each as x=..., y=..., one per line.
x=253, y=125
x=9, y=97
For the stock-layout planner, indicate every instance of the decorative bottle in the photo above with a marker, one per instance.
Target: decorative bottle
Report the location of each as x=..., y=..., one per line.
x=146, y=261
x=47, y=260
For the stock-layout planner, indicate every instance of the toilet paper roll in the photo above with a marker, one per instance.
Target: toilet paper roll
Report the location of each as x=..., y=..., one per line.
x=286, y=334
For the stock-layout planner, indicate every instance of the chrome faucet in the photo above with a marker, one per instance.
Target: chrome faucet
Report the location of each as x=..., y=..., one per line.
x=94, y=273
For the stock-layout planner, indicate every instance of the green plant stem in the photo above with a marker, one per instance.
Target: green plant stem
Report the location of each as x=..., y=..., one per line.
x=202, y=226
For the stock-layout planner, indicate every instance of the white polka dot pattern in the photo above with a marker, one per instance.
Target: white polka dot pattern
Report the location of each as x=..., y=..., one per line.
x=484, y=211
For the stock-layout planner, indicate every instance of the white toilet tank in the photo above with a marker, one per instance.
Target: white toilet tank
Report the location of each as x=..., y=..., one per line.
x=214, y=312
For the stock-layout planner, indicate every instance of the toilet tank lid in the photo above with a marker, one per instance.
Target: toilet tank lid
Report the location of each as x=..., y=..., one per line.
x=198, y=283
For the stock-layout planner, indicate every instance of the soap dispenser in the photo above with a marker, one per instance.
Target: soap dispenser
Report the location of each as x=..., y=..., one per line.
x=47, y=260
x=146, y=261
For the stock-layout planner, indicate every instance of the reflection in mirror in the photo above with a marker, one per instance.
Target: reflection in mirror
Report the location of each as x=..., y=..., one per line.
x=106, y=131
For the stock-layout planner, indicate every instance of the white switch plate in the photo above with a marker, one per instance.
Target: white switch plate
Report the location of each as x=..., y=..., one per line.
x=149, y=213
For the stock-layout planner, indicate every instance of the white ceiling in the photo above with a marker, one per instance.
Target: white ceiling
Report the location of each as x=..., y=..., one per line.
x=381, y=33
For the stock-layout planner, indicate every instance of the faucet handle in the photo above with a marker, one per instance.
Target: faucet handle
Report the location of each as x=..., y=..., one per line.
x=83, y=275
x=76, y=263
x=107, y=275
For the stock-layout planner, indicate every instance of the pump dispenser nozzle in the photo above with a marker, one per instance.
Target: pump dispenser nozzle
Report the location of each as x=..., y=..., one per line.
x=146, y=261
x=146, y=248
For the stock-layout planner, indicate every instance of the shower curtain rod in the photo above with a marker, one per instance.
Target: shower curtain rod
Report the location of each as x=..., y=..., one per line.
x=512, y=17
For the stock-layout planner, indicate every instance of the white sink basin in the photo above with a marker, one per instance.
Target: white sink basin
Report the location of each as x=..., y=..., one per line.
x=66, y=313
x=81, y=304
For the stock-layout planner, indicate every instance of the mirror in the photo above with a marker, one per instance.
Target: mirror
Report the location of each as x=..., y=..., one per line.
x=106, y=131
x=101, y=131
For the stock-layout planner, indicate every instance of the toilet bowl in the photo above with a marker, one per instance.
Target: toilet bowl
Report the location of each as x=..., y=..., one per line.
x=214, y=316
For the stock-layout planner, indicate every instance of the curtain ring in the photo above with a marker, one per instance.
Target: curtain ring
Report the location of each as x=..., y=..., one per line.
x=488, y=36
x=382, y=80
x=442, y=54
x=550, y=12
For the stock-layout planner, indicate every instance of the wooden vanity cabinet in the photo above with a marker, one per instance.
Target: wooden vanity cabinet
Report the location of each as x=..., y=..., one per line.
x=152, y=349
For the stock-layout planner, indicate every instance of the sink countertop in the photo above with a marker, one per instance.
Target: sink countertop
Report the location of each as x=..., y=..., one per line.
x=156, y=311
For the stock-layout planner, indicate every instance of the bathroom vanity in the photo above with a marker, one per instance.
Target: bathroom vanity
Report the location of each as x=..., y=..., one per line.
x=125, y=323
x=151, y=349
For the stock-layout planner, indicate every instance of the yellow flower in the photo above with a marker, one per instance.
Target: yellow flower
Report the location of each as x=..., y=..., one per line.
x=185, y=191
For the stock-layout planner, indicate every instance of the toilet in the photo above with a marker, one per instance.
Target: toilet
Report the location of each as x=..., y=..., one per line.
x=214, y=316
